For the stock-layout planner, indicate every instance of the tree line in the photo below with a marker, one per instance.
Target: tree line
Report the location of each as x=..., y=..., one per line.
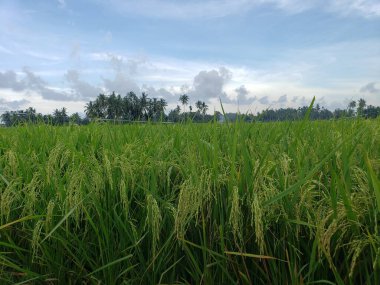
x=354, y=109
x=142, y=108
x=131, y=108
x=116, y=108
x=58, y=117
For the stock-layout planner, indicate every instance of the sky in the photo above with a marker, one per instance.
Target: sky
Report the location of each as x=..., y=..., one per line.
x=250, y=54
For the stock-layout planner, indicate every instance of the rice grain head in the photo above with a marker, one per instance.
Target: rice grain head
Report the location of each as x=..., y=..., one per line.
x=10, y=196
x=153, y=220
x=236, y=215
x=192, y=198
x=11, y=159
x=124, y=196
x=257, y=222
x=36, y=237
x=49, y=215
x=31, y=192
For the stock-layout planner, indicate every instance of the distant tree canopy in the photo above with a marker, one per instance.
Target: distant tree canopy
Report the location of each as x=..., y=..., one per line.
x=292, y=114
x=198, y=116
x=133, y=108
x=317, y=113
x=59, y=117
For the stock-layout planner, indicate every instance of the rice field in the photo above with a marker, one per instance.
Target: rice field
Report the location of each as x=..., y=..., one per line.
x=232, y=203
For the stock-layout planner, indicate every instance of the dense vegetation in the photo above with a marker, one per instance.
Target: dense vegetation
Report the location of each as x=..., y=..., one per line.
x=233, y=203
x=354, y=109
x=115, y=108
x=132, y=108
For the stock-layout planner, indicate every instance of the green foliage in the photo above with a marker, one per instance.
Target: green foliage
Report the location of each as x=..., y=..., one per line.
x=237, y=203
x=30, y=116
x=316, y=113
x=130, y=108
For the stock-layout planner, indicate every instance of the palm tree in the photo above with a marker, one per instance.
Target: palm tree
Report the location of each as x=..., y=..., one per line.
x=102, y=105
x=145, y=104
x=89, y=110
x=75, y=119
x=111, y=106
x=163, y=104
x=361, y=105
x=134, y=106
x=184, y=99
x=204, y=108
x=119, y=107
x=351, y=107
x=198, y=104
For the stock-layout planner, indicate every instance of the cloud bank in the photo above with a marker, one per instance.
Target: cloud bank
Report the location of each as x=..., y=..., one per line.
x=370, y=88
x=13, y=105
x=30, y=82
x=221, y=8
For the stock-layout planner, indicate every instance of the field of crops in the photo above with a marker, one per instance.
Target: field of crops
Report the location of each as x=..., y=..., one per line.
x=232, y=203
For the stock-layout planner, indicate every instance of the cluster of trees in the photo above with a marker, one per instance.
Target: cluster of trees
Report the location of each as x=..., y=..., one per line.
x=59, y=117
x=130, y=108
x=354, y=109
x=115, y=108
x=198, y=115
x=135, y=108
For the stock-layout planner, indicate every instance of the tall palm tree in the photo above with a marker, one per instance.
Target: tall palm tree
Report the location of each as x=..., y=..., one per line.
x=198, y=104
x=111, y=106
x=361, y=105
x=145, y=104
x=184, y=99
x=119, y=107
x=163, y=104
x=102, y=105
x=135, y=106
x=204, y=108
x=351, y=107
x=89, y=110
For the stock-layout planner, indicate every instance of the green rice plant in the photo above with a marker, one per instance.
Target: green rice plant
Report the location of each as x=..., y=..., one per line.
x=231, y=203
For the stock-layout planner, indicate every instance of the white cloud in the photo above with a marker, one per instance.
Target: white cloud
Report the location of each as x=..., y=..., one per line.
x=283, y=99
x=12, y=105
x=123, y=72
x=366, y=8
x=161, y=92
x=30, y=82
x=370, y=88
x=43, y=56
x=221, y=8
x=9, y=79
x=242, y=96
x=264, y=100
x=241, y=91
x=82, y=90
x=121, y=83
x=209, y=84
x=16, y=100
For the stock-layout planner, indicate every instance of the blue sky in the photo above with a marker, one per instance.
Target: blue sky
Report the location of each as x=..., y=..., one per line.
x=253, y=54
